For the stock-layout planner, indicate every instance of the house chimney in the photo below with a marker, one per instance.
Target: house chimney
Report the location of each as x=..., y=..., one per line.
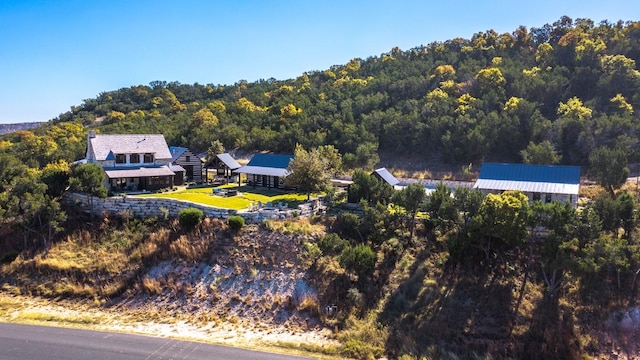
x=89, y=156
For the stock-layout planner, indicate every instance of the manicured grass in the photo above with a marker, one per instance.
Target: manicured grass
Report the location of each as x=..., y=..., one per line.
x=247, y=195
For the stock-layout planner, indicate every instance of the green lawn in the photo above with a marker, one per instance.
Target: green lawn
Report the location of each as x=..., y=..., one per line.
x=247, y=195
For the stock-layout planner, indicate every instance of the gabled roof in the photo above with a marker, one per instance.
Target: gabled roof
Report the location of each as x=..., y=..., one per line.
x=385, y=175
x=267, y=164
x=103, y=144
x=557, y=179
x=229, y=161
x=270, y=160
x=176, y=152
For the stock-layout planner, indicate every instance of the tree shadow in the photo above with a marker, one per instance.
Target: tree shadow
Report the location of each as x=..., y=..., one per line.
x=550, y=334
x=467, y=310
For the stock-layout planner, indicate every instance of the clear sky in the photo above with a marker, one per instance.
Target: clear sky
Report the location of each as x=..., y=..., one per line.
x=55, y=54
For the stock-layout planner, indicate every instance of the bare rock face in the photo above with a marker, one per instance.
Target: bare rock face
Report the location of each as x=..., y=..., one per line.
x=9, y=128
x=623, y=331
x=255, y=276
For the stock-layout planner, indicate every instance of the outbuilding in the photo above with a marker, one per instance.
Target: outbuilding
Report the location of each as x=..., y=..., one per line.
x=546, y=183
x=268, y=170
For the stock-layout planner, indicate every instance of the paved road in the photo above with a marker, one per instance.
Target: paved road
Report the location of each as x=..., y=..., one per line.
x=50, y=343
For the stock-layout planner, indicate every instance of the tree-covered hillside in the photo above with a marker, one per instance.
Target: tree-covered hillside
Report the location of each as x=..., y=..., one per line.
x=573, y=83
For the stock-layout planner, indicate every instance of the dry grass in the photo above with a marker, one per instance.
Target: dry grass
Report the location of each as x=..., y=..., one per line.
x=364, y=339
x=590, y=191
x=300, y=226
x=310, y=305
x=188, y=249
x=151, y=286
x=64, y=318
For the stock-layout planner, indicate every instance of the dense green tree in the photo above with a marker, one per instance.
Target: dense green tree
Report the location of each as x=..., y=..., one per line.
x=410, y=198
x=10, y=169
x=543, y=153
x=311, y=171
x=502, y=218
x=56, y=177
x=609, y=168
x=625, y=206
x=442, y=208
x=369, y=188
x=561, y=246
x=89, y=179
x=467, y=202
x=28, y=207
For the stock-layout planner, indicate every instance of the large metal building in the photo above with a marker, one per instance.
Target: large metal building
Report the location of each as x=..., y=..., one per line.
x=545, y=183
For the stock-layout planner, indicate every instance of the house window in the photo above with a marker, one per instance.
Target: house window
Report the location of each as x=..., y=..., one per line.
x=148, y=158
x=536, y=196
x=121, y=159
x=547, y=198
x=188, y=158
x=134, y=158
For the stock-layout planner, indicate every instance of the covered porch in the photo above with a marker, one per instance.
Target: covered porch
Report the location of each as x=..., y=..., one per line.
x=139, y=179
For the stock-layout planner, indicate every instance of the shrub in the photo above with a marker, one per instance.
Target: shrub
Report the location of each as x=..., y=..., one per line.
x=363, y=338
x=235, y=222
x=359, y=259
x=311, y=250
x=357, y=349
x=347, y=225
x=332, y=244
x=190, y=218
x=268, y=225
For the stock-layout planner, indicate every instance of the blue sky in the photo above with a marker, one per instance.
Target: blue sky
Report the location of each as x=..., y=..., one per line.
x=55, y=54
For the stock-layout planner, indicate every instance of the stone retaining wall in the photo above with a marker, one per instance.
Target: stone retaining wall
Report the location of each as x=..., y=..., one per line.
x=150, y=207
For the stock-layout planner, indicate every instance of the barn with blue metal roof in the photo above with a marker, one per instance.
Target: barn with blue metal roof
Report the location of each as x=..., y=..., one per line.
x=546, y=183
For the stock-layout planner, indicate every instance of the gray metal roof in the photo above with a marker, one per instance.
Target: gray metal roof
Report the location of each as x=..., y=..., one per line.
x=138, y=172
x=176, y=168
x=229, y=161
x=385, y=175
x=155, y=144
x=261, y=170
x=527, y=186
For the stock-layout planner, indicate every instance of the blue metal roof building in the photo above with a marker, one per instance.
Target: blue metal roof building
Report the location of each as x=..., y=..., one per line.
x=267, y=169
x=555, y=182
